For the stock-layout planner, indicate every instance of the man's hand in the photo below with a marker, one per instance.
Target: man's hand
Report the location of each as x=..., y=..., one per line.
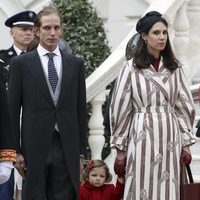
x=81, y=168
x=81, y=162
x=20, y=165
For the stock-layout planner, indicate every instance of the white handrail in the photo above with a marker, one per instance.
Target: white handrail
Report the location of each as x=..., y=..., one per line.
x=109, y=69
x=195, y=89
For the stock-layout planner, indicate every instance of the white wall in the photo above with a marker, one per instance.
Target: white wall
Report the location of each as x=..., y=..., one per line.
x=118, y=16
x=11, y=7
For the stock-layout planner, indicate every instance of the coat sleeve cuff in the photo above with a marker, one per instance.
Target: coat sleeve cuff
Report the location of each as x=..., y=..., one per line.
x=7, y=155
x=119, y=143
x=188, y=139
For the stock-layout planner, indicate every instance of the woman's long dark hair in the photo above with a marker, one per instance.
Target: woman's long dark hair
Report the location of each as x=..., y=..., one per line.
x=142, y=59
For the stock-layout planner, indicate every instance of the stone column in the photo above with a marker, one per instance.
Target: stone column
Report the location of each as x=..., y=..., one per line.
x=194, y=52
x=96, y=133
x=181, y=35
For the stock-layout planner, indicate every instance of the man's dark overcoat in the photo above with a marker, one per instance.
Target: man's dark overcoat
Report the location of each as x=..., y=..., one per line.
x=28, y=89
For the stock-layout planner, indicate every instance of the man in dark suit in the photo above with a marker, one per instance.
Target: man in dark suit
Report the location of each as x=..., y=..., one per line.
x=49, y=86
x=21, y=30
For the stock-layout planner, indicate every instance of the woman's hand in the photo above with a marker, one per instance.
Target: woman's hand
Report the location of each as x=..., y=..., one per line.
x=120, y=167
x=186, y=157
x=120, y=164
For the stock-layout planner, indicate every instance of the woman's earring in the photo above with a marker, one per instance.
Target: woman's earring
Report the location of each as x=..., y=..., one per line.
x=145, y=41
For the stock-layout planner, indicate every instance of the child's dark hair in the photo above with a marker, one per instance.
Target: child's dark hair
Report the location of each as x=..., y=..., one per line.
x=95, y=164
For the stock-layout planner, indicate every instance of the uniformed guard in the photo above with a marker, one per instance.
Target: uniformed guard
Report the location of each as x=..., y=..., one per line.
x=21, y=30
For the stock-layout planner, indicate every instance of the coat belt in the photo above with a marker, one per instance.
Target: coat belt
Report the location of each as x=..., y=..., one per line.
x=155, y=109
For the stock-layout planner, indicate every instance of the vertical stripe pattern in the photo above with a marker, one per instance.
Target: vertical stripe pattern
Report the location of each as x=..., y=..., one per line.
x=151, y=117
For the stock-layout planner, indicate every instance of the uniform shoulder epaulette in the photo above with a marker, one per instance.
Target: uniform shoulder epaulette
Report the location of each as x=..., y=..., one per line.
x=6, y=55
x=2, y=51
x=7, y=52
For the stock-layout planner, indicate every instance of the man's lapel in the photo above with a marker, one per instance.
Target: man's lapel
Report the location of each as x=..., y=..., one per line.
x=37, y=72
x=67, y=70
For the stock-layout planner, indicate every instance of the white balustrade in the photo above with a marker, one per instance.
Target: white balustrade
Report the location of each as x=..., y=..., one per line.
x=181, y=39
x=194, y=51
x=96, y=138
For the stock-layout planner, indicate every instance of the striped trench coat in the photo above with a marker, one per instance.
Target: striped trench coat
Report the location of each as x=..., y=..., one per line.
x=151, y=116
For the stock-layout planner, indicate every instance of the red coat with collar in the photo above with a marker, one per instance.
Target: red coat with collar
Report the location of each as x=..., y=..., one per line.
x=105, y=192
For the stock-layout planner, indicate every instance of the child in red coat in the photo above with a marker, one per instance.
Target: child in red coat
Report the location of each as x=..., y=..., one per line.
x=96, y=176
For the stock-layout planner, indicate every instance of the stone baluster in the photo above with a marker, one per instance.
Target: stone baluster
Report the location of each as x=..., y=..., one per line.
x=96, y=129
x=194, y=17
x=181, y=35
x=194, y=53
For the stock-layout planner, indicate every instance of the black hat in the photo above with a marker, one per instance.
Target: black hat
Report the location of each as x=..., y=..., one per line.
x=25, y=18
x=147, y=21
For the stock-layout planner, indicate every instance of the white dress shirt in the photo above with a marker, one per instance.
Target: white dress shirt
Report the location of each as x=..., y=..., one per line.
x=44, y=59
x=18, y=51
x=57, y=62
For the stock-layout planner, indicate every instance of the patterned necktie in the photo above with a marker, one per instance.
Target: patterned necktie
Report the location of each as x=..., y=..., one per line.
x=53, y=77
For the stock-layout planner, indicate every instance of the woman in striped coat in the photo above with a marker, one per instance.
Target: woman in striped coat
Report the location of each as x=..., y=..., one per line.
x=151, y=116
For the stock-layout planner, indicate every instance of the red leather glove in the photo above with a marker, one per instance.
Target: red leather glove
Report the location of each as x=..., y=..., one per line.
x=120, y=167
x=186, y=158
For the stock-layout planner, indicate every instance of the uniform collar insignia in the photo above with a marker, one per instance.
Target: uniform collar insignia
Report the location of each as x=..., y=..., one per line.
x=7, y=67
x=10, y=53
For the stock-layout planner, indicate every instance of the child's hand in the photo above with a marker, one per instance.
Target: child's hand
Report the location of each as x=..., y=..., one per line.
x=119, y=167
x=121, y=179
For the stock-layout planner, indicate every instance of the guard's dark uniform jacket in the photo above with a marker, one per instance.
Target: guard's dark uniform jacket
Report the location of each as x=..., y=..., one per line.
x=7, y=152
x=5, y=58
x=21, y=19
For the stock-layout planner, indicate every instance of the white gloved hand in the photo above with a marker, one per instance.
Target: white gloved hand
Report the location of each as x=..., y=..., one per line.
x=5, y=171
